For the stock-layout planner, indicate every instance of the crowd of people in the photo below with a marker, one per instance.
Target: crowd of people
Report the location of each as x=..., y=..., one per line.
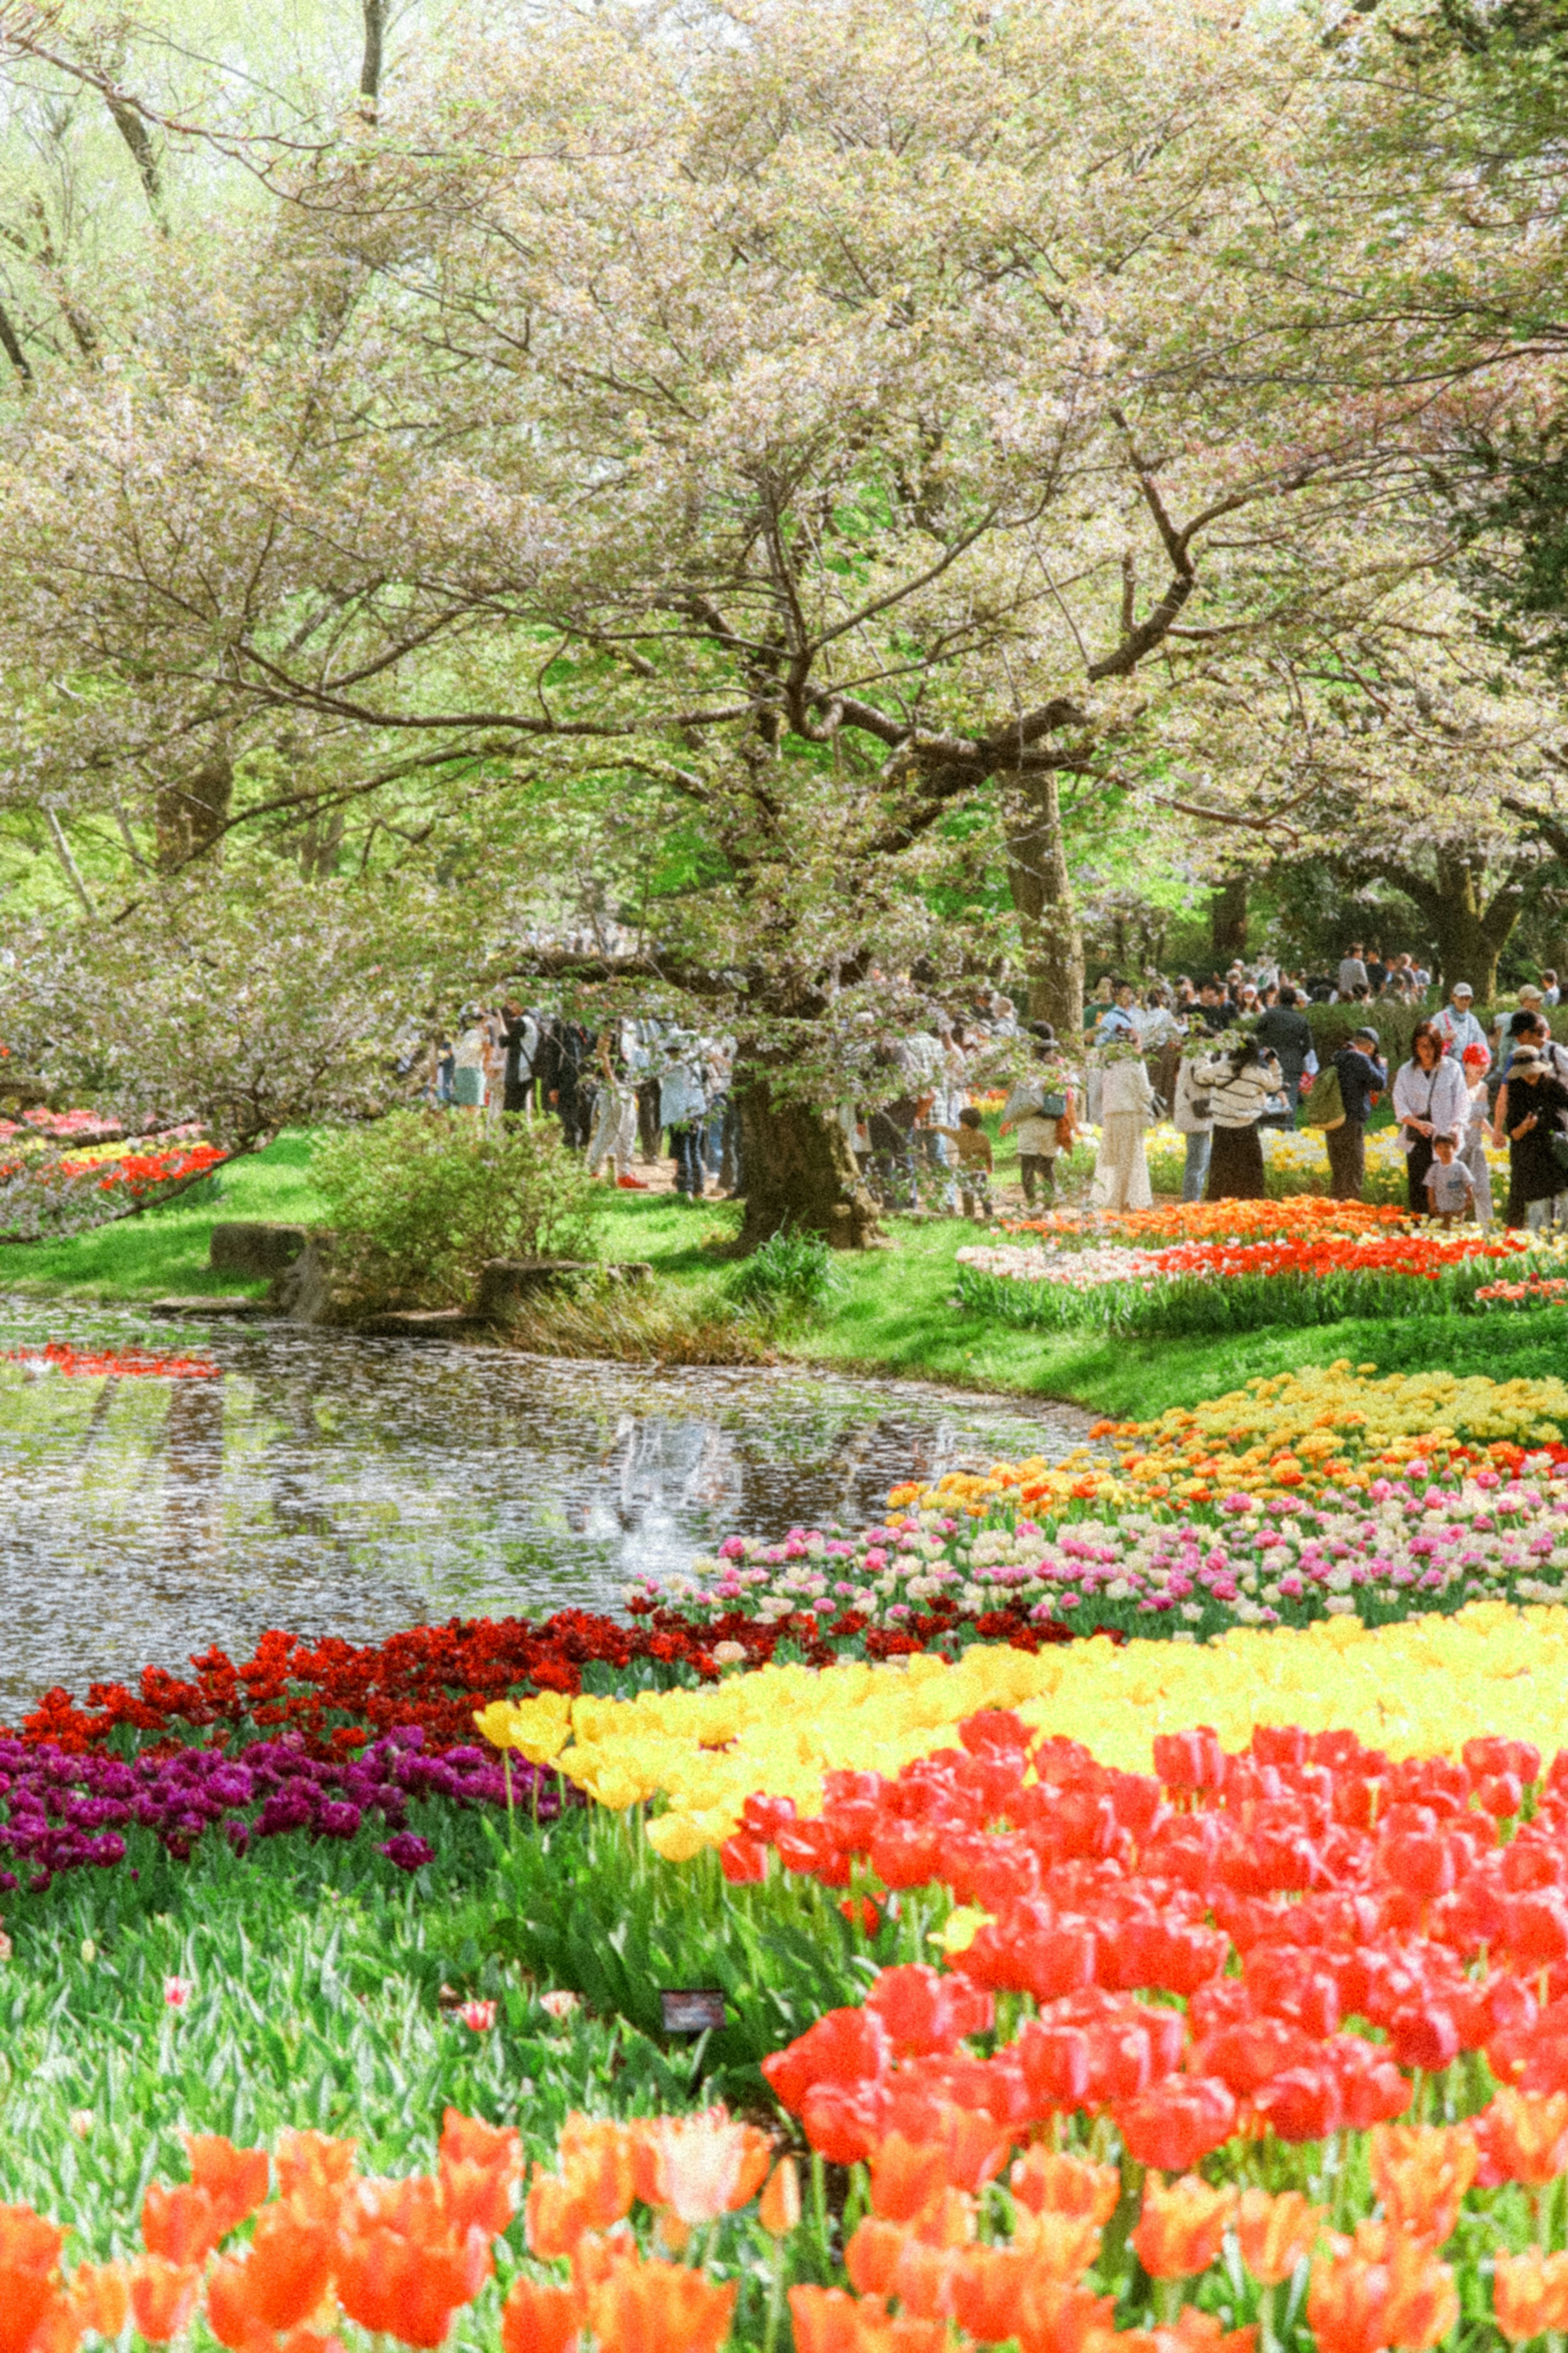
x=1235, y=1056
x=1224, y=1059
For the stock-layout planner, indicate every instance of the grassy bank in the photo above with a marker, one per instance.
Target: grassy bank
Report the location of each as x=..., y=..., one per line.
x=163, y=1252
x=895, y=1313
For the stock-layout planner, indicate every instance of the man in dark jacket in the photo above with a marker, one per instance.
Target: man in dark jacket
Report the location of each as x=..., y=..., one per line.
x=1362, y=1078
x=1286, y=1031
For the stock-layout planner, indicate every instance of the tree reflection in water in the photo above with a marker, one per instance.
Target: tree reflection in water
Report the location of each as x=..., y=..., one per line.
x=334, y=1485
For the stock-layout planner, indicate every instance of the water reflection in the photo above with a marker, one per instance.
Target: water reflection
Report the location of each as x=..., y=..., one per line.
x=349, y=1486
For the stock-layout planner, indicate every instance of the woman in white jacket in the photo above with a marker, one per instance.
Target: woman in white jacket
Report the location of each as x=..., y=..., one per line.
x=1126, y=1113
x=1430, y=1098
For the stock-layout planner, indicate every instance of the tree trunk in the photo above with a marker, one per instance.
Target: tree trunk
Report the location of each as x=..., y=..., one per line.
x=193, y=813
x=1227, y=919
x=1041, y=886
x=798, y=1170
x=1469, y=932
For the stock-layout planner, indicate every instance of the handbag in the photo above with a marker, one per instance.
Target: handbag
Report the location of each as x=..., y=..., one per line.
x=1053, y=1105
x=1557, y=1144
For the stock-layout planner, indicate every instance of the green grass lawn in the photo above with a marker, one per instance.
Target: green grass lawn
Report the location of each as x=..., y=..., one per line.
x=896, y=1314
x=165, y=1250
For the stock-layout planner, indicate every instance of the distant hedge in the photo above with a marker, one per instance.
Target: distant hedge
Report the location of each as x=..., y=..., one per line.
x=1332, y=1025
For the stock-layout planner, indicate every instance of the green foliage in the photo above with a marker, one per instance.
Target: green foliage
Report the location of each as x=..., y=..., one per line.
x=420, y=1199
x=318, y=1975
x=792, y=1278
x=1234, y=1303
x=587, y=1904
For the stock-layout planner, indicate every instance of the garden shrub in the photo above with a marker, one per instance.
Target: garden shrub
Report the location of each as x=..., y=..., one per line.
x=791, y=1278
x=420, y=1199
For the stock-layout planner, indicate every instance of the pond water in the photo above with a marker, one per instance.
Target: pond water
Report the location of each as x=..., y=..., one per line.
x=330, y=1484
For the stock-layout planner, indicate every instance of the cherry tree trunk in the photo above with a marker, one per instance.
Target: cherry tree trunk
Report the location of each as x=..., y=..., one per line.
x=1042, y=896
x=798, y=1171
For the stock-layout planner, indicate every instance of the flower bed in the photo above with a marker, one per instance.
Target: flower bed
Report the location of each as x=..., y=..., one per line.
x=1419, y=1687
x=1329, y=1494
x=1197, y=1221
x=44, y=1190
x=1296, y=1163
x=67, y=1811
x=1221, y=1286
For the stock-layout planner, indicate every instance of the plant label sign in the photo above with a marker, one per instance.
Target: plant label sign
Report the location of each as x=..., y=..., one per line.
x=690, y=2011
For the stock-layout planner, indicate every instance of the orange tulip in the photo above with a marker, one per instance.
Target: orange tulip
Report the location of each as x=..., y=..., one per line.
x=27, y=2241
x=476, y=2197
x=1054, y=2316
x=1421, y=2173
x=1530, y=2294
x=1383, y=2287
x=605, y=2167
x=314, y=2172
x=1062, y=2246
x=289, y=2269
x=556, y=2218
x=408, y=2287
x=162, y=2296
x=539, y=2318
x=180, y=2224
x=1192, y=2332
x=1523, y=2136
x=871, y=2255
x=923, y=2279
x=987, y=2284
x=28, y=2300
x=479, y=2164
x=906, y=2178
x=778, y=2209
x=400, y=2268
x=100, y=2298
x=1275, y=2233
x=1181, y=2227
x=1043, y=2179
x=826, y=2320
x=467, y=2140
x=654, y=2307
x=235, y=2180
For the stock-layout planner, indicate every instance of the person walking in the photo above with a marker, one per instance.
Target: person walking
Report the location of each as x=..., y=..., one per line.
x=1351, y=975
x=1041, y=1109
x=1285, y=1033
x=1363, y=1076
x=1529, y=1112
x=1430, y=1098
x=1127, y=1112
x=614, y=1135
x=1239, y=1076
x=1193, y=1113
x=1473, y=1142
x=682, y=1103
x=1457, y=1025
x=520, y=1037
x=469, y=1060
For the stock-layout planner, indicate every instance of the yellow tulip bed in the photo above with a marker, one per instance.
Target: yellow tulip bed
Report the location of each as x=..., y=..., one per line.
x=1417, y=1689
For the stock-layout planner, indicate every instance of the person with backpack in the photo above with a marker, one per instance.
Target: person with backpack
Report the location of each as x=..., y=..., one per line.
x=1041, y=1108
x=1345, y=1092
x=1531, y=1110
x=1193, y=1113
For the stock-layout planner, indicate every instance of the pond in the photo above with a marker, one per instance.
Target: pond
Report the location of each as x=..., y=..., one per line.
x=330, y=1484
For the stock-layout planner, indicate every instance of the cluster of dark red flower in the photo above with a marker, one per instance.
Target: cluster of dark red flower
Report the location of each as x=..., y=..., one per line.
x=339, y=1695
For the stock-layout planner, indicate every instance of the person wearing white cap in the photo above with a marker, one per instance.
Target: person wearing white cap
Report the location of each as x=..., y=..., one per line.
x=1458, y=1026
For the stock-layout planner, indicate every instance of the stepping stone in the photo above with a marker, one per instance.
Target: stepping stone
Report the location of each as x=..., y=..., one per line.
x=209, y=1308
x=423, y=1323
